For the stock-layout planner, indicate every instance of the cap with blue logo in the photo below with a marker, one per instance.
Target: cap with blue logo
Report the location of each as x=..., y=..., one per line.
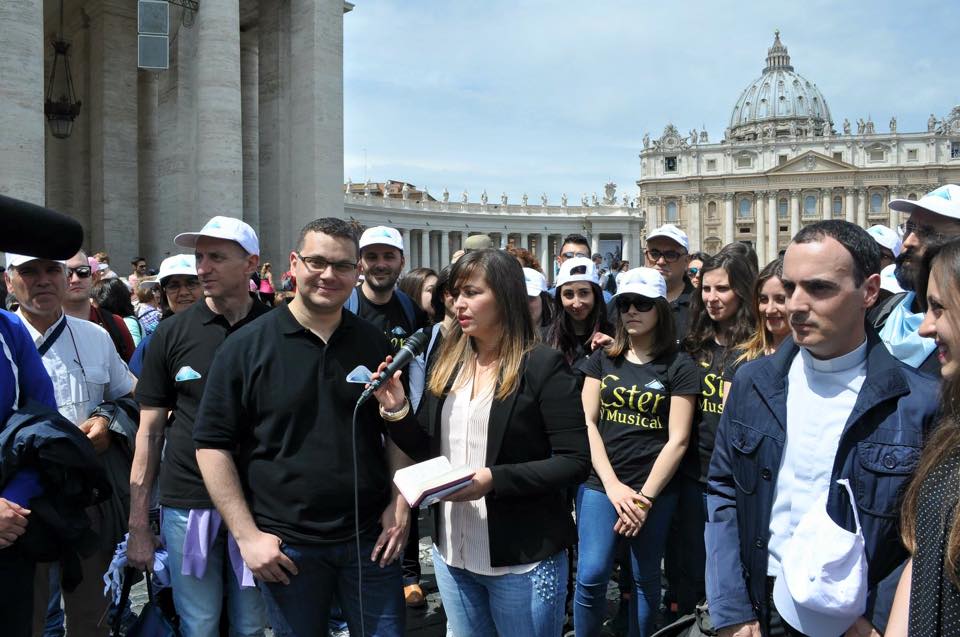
x=382, y=235
x=177, y=264
x=944, y=201
x=223, y=228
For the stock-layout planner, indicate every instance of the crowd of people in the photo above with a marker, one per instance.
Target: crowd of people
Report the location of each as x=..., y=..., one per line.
x=747, y=449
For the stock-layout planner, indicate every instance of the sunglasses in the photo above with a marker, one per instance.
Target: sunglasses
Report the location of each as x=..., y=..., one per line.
x=691, y=272
x=669, y=256
x=570, y=255
x=641, y=303
x=82, y=272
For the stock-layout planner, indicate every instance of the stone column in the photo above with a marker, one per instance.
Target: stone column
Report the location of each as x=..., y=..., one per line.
x=424, y=249
x=653, y=209
x=693, y=221
x=21, y=108
x=827, y=204
x=894, y=221
x=794, y=212
x=543, y=245
x=444, y=249
x=626, y=249
x=728, y=218
x=773, y=226
x=249, y=105
x=594, y=242
x=760, y=244
x=524, y=240
x=219, y=122
x=849, y=205
x=862, y=208
x=407, y=250
x=151, y=239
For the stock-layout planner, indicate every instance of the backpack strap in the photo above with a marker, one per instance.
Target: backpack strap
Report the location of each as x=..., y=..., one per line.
x=106, y=320
x=880, y=314
x=353, y=303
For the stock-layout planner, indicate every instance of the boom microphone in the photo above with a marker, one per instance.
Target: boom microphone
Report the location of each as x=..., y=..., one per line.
x=412, y=347
x=36, y=231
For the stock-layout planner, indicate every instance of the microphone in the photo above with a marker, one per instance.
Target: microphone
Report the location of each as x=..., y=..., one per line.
x=37, y=231
x=412, y=347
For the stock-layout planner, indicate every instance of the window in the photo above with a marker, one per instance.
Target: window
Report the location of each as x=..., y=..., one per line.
x=912, y=196
x=744, y=229
x=782, y=209
x=809, y=206
x=670, y=164
x=712, y=210
x=784, y=228
x=838, y=156
x=744, y=210
x=913, y=154
x=876, y=203
x=672, y=211
x=781, y=160
x=954, y=150
x=711, y=164
x=877, y=154
x=837, y=205
x=744, y=161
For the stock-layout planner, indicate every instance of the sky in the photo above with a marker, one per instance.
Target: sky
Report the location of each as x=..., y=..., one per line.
x=554, y=97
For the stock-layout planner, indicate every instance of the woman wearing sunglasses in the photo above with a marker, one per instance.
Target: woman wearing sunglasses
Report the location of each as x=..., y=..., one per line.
x=639, y=397
x=697, y=260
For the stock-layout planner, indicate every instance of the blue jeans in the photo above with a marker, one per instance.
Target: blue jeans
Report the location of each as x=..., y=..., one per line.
x=530, y=604
x=598, y=541
x=328, y=573
x=200, y=600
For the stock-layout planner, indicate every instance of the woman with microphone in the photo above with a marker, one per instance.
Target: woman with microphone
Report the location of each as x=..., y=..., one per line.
x=507, y=407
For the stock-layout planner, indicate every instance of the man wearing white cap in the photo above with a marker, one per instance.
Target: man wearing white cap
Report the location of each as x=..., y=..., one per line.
x=174, y=376
x=668, y=252
x=934, y=218
x=86, y=370
x=792, y=550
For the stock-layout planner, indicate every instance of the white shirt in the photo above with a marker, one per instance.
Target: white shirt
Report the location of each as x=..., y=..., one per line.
x=464, y=540
x=821, y=395
x=83, y=365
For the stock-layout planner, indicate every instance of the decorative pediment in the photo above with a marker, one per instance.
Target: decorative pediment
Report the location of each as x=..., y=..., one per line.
x=810, y=161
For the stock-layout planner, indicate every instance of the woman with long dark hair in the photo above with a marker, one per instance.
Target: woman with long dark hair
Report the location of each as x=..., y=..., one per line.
x=639, y=396
x=579, y=312
x=539, y=299
x=501, y=404
x=721, y=317
x=113, y=295
x=927, y=602
x=418, y=284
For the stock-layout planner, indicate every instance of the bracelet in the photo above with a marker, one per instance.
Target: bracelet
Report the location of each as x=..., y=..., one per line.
x=400, y=414
x=646, y=496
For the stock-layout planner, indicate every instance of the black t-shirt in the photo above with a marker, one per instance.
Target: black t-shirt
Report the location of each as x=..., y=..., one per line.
x=390, y=318
x=278, y=398
x=681, y=310
x=635, y=409
x=175, y=371
x=696, y=462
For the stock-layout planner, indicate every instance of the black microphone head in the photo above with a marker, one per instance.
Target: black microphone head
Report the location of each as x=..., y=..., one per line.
x=36, y=231
x=417, y=343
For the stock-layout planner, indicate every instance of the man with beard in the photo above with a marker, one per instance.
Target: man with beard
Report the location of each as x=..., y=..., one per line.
x=932, y=219
x=379, y=301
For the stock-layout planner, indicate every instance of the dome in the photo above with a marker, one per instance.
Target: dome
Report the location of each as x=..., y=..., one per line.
x=779, y=103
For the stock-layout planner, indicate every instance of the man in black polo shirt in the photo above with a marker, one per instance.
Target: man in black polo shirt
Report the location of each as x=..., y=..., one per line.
x=667, y=251
x=274, y=444
x=175, y=371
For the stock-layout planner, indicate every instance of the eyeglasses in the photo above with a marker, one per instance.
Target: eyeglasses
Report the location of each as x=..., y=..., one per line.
x=669, y=256
x=82, y=272
x=924, y=233
x=176, y=286
x=642, y=303
x=570, y=255
x=319, y=264
x=692, y=272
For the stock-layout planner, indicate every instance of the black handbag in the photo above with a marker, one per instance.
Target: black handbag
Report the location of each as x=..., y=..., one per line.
x=152, y=621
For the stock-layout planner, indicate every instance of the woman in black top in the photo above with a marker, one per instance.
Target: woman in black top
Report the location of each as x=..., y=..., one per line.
x=579, y=313
x=927, y=603
x=638, y=398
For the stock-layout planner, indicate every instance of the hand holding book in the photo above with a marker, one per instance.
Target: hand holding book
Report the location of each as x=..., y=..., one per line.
x=428, y=482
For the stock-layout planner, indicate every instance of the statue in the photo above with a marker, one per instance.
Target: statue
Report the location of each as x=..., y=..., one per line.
x=793, y=129
x=349, y=185
x=503, y=199
x=703, y=137
x=405, y=191
x=563, y=200
x=646, y=140
x=868, y=126
x=861, y=126
x=446, y=195
x=826, y=131
x=693, y=136
x=463, y=197
x=626, y=201
x=610, y=194
x=583, y=200
x=366, y=188
x=809, y=127
x=931, y=123
x=523, y=200
x=483, y=197
x=846, y=126
x=594, y=201
x=893, y=124
x=543, y=199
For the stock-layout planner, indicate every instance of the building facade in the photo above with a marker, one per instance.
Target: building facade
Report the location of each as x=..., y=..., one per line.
x=785, y=162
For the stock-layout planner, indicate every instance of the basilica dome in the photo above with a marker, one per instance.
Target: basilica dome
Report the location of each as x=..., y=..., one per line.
x=780, y=103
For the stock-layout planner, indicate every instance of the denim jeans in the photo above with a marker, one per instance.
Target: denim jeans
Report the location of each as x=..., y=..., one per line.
x=529, y=604
x=200, y=600
x=328, y=573
x=598, y=542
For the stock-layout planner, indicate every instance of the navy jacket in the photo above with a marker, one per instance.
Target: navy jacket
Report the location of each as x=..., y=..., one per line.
x=879, y=450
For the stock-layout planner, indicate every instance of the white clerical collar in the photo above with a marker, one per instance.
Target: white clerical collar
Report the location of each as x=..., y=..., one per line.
x=843, y=363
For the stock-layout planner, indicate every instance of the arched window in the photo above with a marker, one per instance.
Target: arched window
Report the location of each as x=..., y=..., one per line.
x=837, y=205
x=744, y=211
x=672, y=211
x=809, y=206
x=912, y=196
x=782, y=210
x=712, y=210
x=876, y=203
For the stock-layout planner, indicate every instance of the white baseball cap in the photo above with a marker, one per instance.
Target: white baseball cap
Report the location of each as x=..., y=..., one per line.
x=383, y=235
x=887, y=238
x=536, y=282
x=944, y=201
x=578, y=269
x=673, y=233
x=646, y=282
x=177, y=264
x=13, y=260
x=822, y=587
x=222, y=228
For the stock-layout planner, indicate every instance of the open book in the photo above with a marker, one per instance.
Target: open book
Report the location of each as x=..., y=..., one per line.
x=427, y=482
